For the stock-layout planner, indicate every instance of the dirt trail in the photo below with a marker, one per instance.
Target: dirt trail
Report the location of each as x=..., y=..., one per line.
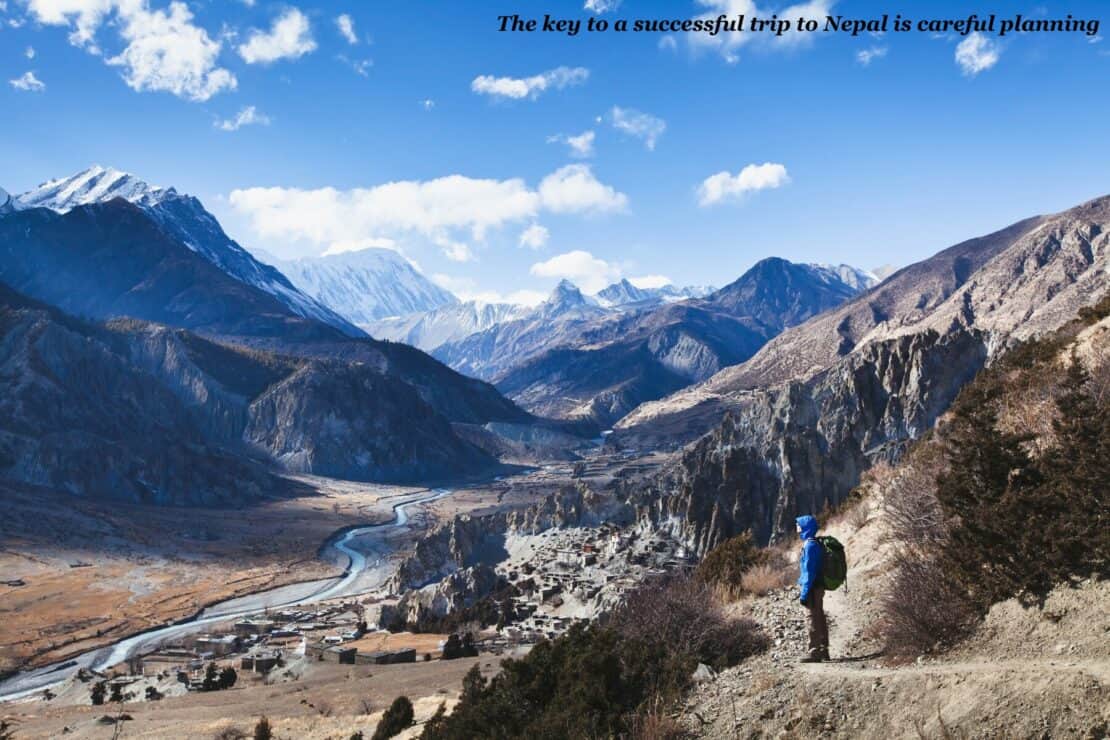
x=1028, y=671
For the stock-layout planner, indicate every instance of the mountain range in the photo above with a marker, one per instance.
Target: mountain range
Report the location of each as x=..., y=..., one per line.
x=222, y=356
x=573, y=357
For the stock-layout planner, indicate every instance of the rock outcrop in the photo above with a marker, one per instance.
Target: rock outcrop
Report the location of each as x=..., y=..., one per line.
x=800, y=447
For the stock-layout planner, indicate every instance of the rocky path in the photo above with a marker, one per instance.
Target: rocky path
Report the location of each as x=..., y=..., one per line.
x=1021, y=675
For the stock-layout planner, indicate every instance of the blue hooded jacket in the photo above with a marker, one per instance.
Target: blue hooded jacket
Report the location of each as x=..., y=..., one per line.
x=812, y=556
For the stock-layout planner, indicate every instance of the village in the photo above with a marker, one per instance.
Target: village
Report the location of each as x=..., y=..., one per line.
x=558, y=577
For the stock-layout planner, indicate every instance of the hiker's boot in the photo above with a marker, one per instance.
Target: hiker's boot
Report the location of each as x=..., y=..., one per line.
x=814, y=656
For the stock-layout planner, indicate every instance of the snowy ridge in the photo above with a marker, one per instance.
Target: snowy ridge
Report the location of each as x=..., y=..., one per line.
x=367, y=285
x=625, y=293
x=95, y=185
x=851, y=276
x=186, y=219
x=448, y=323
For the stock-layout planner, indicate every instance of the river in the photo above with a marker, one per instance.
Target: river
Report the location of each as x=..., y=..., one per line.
x=351, y=582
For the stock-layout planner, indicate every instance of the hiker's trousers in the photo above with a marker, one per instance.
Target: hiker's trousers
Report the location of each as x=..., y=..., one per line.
x=818, y=626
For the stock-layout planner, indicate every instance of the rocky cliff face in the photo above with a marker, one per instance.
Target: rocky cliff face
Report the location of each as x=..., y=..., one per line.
x=800, y=447
x=347, y=421
x=467, y=541
x=76, y=415
x=459, y=590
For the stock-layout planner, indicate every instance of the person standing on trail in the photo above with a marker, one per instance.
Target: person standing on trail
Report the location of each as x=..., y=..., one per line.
x=812, y=586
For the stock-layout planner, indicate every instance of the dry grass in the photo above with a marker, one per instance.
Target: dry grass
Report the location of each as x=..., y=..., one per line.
x=764, y=578
x=653, y=723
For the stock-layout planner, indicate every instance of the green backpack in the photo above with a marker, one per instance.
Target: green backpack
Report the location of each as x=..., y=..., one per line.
x=834, y=564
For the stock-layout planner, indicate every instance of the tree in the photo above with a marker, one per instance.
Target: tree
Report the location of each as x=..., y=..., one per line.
x=988, y=474
x=262, y=730
x=227, y=678
x=398, y=717
x=211, y=678
x=98, y=692
x=117, y=693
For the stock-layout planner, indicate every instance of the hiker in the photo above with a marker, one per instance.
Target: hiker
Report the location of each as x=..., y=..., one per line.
x=812, y=585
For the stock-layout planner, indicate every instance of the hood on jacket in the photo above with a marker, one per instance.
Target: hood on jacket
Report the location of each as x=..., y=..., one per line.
x=808, y=523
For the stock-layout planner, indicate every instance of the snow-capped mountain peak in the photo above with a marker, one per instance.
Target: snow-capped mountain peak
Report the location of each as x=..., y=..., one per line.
x=853, y=277
x=567, y=299
x=5, y=201
x=184, y=218
x=366, y=285
x=624, y=292
x=95, y=185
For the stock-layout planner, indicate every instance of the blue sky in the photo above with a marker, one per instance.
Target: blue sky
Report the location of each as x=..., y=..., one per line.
x=421, y=127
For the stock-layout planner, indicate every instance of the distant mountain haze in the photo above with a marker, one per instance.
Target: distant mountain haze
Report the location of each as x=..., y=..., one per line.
x=367, y=285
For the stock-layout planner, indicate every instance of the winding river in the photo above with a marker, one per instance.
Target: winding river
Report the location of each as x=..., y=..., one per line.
x=29, y=682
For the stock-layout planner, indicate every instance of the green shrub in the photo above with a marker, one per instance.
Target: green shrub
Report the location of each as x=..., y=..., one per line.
x=397, y=718
x=1021, y=526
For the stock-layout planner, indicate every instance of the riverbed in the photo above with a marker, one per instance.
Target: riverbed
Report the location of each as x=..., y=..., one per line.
x=368, y=566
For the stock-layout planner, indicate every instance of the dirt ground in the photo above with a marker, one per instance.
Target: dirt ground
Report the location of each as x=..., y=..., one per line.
x=324, y=700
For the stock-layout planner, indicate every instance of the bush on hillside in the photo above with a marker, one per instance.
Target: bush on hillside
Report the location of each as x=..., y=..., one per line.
x=979, y=514
x=1021, y=526
x=599, y=680
x=724, y=566
x=397, y=718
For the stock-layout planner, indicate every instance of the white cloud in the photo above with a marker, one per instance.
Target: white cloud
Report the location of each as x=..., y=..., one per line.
x=524, y=87
x=86, y=16
x=976, y=54
x=723, y=185
x=574, y=189
x=601, y=6
x=646, y=282
x=248, y=116
x=455, y=251
x=534, y=237
x=444, y=211
x=636, y=123
x=289, y=38
x=589, y=273
x=866, y=56
x=466, y=289
x=729, y=43
x=346, y=26
x=430, y=208
x=427, y=104
x=164, y=52
x=360, y=66
x=28, y=83
x=29, y=52
x=581, y=145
